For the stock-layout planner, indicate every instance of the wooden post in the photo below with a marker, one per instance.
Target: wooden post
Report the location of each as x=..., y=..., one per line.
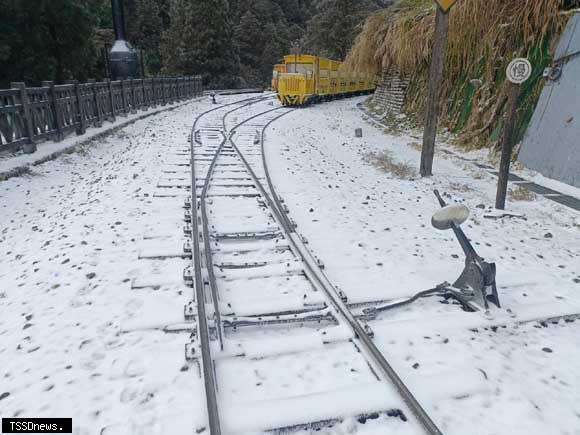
x=507, y=145
x=435, y=79
x=112, y=95
x=54, y=108
x=30, y=147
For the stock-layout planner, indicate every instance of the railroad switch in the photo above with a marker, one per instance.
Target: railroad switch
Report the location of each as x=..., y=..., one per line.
x=476, y=284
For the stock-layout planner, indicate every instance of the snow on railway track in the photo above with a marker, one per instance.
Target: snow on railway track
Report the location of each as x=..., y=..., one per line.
x=280, y=350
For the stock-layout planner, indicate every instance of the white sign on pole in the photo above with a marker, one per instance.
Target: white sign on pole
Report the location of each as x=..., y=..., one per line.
x=519, y=70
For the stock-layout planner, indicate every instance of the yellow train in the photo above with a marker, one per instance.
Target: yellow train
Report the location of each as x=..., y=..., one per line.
x=279, y=68
x=309, y=79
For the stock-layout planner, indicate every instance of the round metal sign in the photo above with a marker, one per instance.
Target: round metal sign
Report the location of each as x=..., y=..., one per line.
x=519, y=70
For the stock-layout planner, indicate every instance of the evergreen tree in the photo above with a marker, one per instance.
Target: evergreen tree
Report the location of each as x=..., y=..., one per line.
x=47, y=40
x=147, y=33
x=200, y=41
x=249, y=40
x=333, y=27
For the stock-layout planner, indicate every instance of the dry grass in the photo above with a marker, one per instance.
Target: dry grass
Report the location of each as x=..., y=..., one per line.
x=384, y=161
x=483, y=36
x=401, y=36
x=521, y=194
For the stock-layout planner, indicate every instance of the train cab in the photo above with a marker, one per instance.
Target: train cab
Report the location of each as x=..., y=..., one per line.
x=297, y=85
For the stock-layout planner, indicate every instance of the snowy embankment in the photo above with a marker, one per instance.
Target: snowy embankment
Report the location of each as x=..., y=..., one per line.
x=17, y=164
x=82, y=299
x=367, y=215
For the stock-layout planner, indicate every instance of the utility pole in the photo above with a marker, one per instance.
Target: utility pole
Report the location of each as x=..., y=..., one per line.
x=435, y=79
x=518, y=71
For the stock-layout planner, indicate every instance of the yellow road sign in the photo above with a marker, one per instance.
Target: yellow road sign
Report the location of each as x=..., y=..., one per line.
x=445, y=5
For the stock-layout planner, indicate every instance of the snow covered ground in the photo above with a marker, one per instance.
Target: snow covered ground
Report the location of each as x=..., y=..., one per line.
x=84, y=295
x=372, y=229
x=75, y=339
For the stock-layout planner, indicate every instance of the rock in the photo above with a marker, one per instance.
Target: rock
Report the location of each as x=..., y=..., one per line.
x=481, y=206
x=4, y=395
x=547, y=350
x=416, y=366
x=91, y=275
x=29, y=148
x=548, y=235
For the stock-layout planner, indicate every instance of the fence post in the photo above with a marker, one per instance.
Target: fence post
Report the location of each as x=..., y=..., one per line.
x=113, y=112
x=97, y=102
x=54, y=108
x=177, y=94
x=29, y=147
x=81, y=129
x=124, y=98
x=163, y=102
x=133, y=101
x=145, y=104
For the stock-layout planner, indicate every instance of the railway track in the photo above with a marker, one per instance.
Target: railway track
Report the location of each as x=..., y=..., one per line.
x=280, y=349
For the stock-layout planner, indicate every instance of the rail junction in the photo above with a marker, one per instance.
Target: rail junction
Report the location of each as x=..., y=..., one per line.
x=262, y=302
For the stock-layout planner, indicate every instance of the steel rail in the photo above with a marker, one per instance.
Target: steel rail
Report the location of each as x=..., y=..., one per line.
x=250, y=101
x=205, y=228
x=315, y=274
x=210, y=383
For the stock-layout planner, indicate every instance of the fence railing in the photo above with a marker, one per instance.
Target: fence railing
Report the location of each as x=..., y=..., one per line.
x=32, y=115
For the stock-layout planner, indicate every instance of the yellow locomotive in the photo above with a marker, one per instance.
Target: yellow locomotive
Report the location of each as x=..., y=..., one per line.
x=309, y=79
x=279, y=68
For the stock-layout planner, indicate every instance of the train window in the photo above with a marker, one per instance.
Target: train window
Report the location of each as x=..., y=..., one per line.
x=324, y=73
x=275, y=73
x=300, y=68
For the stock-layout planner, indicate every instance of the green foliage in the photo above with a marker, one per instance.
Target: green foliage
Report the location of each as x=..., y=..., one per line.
x=335, y=24
x=262, y=37
x=200, y=41
x=47, y=40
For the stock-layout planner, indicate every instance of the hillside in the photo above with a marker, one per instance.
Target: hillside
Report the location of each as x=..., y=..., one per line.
x=481, y=43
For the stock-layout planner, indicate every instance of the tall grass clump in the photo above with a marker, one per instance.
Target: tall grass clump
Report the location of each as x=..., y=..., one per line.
x=484, y=35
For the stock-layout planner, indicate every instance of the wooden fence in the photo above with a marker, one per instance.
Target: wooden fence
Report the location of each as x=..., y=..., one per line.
x=31, y=115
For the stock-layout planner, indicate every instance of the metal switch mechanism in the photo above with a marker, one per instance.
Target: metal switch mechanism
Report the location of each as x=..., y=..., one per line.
x=476, y=284
x=475, y=288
